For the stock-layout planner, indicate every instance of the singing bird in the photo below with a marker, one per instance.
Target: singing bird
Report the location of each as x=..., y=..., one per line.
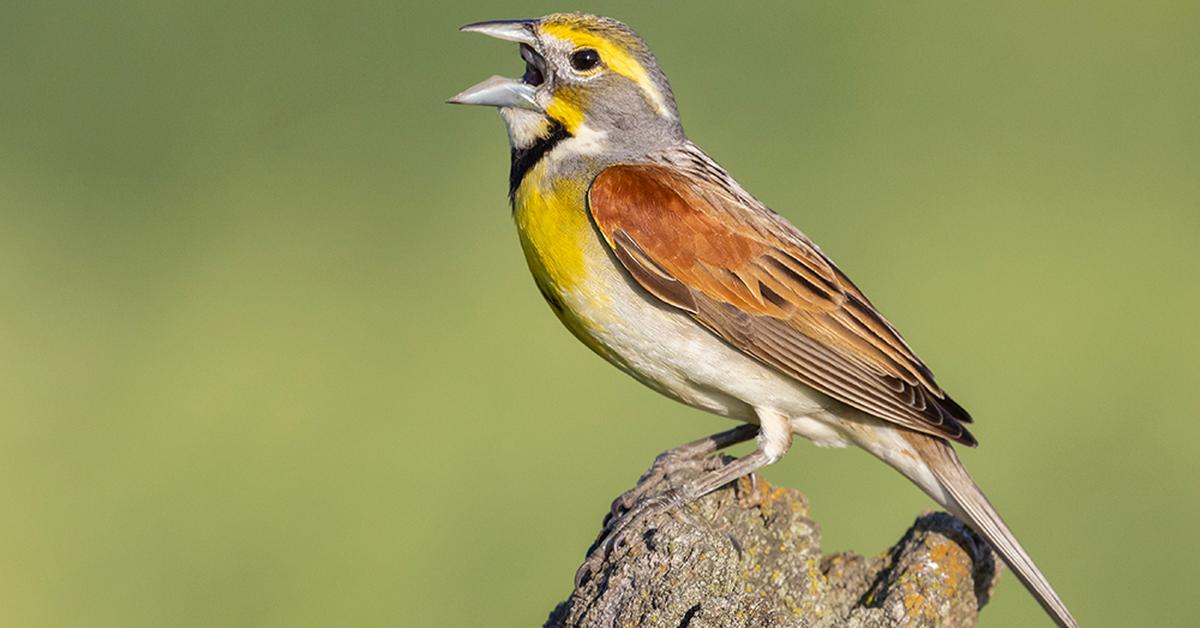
x=661, y=263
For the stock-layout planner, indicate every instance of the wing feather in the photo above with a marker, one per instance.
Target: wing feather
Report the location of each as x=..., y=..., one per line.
x=695, y=241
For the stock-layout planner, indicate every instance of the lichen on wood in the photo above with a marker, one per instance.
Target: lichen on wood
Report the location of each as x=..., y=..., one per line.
x=748, y=555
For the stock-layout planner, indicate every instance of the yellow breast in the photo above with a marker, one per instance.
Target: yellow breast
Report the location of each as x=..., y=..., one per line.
x=562, y=250
x=553, y=224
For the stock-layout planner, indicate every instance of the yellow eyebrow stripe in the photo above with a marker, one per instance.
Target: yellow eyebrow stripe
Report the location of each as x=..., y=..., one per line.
x=614, y=56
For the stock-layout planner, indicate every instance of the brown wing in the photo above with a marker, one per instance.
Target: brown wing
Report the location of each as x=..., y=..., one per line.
x=754, y=280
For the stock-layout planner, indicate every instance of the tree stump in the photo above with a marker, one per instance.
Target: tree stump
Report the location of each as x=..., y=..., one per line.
x=747, y=555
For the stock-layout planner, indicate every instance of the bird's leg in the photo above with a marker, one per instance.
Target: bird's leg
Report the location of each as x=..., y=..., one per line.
x=716, y=442
x=671, y=460
x=774, y=438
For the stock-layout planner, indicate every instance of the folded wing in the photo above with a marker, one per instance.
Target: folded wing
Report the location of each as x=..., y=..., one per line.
x=757, y=282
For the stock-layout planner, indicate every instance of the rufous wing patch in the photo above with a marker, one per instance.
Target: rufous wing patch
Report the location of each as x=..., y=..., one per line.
x=756, y=281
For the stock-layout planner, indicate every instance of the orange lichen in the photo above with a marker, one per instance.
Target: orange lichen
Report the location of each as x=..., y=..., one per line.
x=913, y=602
x=953, y=563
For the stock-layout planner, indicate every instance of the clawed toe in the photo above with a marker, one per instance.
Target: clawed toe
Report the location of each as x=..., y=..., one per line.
x=621, y=525
x=635, y=504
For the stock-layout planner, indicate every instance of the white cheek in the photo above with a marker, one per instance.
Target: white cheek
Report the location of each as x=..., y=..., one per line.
x=585, y=141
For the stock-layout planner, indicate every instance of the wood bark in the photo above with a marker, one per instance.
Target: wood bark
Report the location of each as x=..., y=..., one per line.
x=749, y=555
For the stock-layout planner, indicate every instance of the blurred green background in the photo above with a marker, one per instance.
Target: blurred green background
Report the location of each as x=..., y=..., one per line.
x=271, y=356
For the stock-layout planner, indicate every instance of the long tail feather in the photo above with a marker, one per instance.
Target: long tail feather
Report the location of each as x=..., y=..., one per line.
x=967, y=502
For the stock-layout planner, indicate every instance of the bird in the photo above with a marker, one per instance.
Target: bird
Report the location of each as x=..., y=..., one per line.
x=656, y=259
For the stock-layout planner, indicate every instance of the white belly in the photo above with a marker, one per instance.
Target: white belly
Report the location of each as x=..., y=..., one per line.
x=667, y=350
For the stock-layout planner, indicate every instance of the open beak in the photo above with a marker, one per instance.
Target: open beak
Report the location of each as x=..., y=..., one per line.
x=500, y=91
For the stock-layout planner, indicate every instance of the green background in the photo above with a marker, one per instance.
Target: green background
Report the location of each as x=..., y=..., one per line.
x=269, y=354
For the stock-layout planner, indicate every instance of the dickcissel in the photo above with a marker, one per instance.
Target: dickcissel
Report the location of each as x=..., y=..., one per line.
x=657, y=260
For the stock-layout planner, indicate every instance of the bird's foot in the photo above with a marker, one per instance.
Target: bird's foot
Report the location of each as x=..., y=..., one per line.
x=648, y=498
x=668, y=464
x=684, y=457
x=615, y=534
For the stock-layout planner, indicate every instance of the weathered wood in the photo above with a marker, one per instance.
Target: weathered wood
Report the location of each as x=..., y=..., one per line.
x=748, y=555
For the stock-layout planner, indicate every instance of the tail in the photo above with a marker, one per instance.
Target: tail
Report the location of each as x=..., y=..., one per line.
x=965, y=501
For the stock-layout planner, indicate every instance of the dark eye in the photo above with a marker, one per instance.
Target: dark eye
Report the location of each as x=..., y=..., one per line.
x=584, y=59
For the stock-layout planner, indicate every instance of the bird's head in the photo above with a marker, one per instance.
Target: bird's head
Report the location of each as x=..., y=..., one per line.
x=587, y=76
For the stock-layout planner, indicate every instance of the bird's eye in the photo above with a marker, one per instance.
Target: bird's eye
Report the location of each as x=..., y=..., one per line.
x=584, y=59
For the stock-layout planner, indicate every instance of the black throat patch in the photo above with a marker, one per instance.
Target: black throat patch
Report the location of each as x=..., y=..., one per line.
x=525, y=158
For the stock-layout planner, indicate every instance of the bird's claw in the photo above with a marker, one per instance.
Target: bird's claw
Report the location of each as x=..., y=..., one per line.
x=615, y=537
